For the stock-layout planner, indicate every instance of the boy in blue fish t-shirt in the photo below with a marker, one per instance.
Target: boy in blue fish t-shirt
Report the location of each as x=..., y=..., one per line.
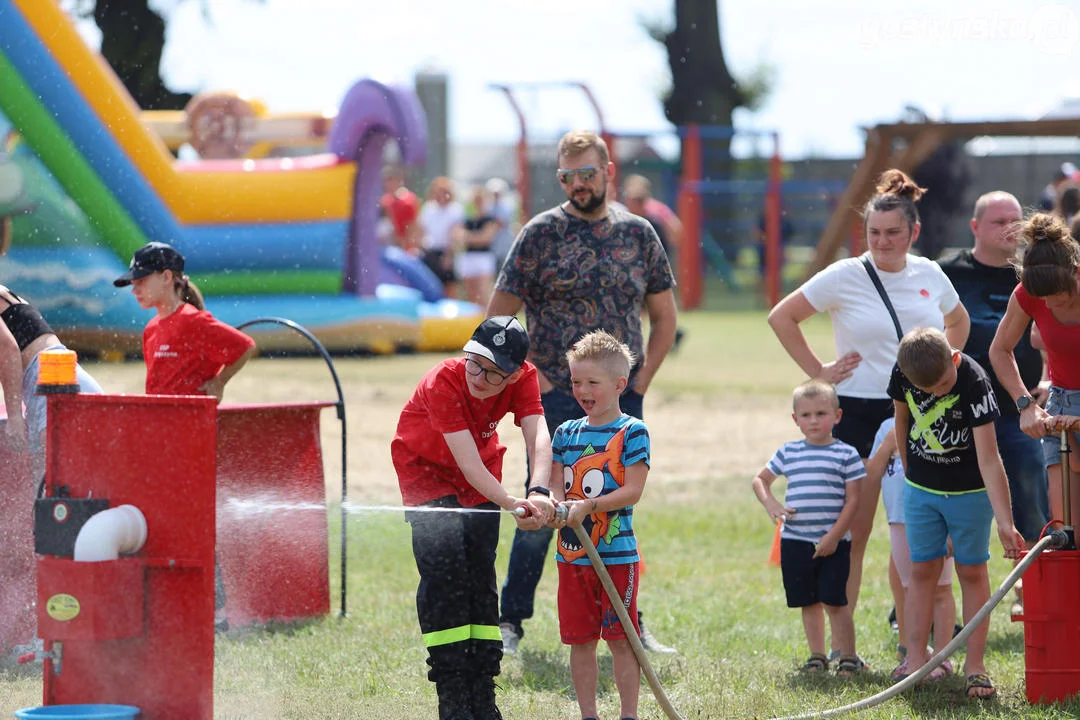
x=603, y=459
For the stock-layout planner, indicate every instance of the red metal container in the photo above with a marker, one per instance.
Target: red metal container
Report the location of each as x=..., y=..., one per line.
x=90, y=601
x=271, y=514
x=147, y=636
x=1052, y=626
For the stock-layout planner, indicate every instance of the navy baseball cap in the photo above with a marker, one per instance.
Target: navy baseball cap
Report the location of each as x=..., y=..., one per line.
x=502, y=340
x=151, y=258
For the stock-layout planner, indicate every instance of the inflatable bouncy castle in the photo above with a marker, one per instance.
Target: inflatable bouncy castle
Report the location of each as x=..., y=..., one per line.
x=84, y=183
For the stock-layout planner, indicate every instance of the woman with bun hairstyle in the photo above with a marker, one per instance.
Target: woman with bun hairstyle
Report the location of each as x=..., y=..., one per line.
x=865, y=332
x=1049, y=294
x=187, y=350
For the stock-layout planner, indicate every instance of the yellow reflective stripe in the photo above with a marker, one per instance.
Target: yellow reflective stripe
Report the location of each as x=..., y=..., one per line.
x=445, y=637
x=943, y=492
x=486, y=632
x=462, y=633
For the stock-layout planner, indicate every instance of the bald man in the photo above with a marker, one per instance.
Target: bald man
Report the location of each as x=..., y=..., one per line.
x=984, y=277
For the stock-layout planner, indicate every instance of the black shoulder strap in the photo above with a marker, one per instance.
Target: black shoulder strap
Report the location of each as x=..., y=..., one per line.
x=884, y=295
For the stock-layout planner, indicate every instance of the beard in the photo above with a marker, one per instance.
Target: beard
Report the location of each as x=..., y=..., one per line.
x=594, y=203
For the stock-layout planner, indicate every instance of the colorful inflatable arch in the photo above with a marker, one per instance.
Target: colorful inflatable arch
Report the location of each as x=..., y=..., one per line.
x=285, y=237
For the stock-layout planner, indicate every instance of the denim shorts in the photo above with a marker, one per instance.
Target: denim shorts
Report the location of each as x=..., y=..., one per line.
x=1061, y=402
x=931, y=518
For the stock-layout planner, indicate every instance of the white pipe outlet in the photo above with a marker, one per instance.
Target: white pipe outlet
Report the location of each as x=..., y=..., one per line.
x=110, y=533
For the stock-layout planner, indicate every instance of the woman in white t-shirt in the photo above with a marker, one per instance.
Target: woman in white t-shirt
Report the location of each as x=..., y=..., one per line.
x=866, y=336
x=442, y=219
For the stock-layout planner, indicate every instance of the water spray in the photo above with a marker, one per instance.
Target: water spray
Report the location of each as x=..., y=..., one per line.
x=339, y=406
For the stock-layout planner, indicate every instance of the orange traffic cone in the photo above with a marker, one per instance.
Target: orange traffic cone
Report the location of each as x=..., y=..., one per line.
x=774, y=551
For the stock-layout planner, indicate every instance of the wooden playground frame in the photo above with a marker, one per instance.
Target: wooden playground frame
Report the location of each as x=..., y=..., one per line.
x=920, y=140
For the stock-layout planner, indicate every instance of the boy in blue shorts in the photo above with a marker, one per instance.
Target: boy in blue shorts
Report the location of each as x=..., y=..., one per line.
x=823, y=477
x=945, y=411
x=602, y=460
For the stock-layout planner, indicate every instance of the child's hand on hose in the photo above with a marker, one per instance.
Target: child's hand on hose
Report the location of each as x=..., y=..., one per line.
x=579, y=510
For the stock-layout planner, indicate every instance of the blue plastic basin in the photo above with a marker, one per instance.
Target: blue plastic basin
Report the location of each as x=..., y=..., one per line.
x=79, y=712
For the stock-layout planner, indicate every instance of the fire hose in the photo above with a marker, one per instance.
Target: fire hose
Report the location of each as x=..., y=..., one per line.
x=1054, y=539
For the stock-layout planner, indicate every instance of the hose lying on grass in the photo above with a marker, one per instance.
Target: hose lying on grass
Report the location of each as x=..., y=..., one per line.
x=1055, y=539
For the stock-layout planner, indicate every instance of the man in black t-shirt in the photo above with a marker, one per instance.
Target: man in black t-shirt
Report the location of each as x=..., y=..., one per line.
x=984, y=277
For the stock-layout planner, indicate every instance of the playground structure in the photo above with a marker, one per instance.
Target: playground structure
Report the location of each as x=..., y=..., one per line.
x=290, y=237
x=905, y=146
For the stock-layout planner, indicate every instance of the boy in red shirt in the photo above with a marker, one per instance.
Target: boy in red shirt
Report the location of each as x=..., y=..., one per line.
x=448, y=459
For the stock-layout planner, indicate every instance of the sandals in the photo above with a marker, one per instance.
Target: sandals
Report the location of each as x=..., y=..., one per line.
x=816, y=663
x=942, y=671
x=979, y=680
x=848, y=665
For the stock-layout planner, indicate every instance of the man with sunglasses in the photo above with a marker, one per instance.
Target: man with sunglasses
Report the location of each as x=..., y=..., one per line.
x=578, y=267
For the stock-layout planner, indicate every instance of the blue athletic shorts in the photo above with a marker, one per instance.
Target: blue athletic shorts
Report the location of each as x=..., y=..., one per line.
x=931, y=518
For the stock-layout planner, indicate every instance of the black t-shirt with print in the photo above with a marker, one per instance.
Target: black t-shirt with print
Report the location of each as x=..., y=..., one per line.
x=940, y=443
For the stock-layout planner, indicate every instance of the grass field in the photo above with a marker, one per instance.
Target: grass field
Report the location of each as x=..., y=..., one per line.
x=716, y=412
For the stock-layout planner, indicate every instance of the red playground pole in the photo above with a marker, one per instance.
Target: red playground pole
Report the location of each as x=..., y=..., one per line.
x=773, y=228
x=688, y=208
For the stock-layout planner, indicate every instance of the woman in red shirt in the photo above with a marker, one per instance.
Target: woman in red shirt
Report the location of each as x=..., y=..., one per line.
x=1049, y=294
x=187, y=350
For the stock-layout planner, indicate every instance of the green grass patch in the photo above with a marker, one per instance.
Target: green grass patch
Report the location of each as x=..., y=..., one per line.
x=707, y=590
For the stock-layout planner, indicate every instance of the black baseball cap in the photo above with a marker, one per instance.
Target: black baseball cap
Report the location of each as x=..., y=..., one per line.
x=502, y=340
x=151, y=258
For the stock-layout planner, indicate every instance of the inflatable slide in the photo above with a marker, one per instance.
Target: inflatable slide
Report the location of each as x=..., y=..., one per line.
x=83, y=183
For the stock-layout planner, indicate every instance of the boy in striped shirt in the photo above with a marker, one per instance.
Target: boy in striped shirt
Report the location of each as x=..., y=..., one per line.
x=823, y=477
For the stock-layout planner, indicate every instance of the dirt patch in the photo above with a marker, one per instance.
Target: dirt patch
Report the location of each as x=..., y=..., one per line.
x=694, y=437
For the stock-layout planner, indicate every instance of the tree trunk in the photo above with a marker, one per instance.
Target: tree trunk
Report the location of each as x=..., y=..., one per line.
x=704, y=92
x=132, y=40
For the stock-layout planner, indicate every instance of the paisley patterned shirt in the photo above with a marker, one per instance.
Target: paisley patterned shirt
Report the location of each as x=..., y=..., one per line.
x=575, y=276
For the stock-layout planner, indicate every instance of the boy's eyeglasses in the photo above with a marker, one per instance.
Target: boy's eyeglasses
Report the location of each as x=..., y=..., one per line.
x=586, y=174
x=493, y=377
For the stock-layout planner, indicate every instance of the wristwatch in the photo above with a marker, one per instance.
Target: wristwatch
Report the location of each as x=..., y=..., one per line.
x=1024, y=402
x=540, y=490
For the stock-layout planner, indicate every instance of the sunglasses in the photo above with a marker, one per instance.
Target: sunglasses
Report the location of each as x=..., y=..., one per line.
x=585, y=174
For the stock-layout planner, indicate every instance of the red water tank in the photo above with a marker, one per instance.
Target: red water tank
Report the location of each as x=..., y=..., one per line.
x=134, y=631
x=1052, y=627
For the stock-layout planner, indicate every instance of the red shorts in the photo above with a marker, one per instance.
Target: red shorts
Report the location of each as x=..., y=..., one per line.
x=585, y=612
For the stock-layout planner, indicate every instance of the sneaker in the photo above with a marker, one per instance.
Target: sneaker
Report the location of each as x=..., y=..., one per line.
x=510, y=638
x=893, y=625
x=650, y=643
